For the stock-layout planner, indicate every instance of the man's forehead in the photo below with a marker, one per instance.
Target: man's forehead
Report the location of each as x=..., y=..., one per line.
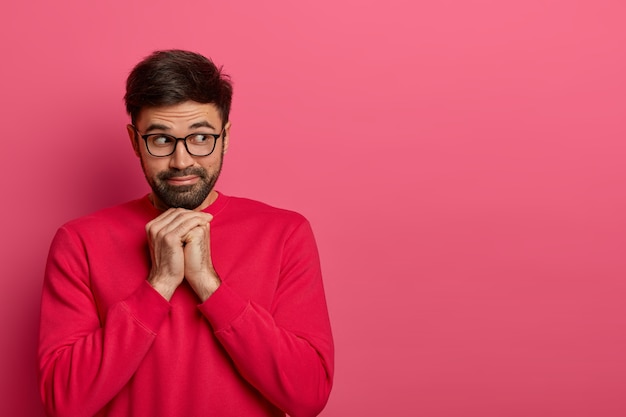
x=183, y=114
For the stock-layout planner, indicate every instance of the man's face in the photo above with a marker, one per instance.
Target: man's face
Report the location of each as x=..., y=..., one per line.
x=180, y=179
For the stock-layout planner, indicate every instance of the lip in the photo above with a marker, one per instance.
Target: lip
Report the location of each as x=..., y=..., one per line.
x=186, y=180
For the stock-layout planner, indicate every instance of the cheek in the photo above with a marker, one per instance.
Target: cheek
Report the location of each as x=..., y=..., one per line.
x=215, y=159
x=212, y=165
x=152, y=166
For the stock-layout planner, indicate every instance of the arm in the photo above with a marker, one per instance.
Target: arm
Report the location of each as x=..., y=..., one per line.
x=286, y=352
x=85, y=359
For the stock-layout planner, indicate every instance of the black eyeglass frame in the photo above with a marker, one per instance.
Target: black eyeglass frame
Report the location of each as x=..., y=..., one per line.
x=147, y=136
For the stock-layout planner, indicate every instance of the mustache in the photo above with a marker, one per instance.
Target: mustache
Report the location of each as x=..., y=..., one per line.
x=173, y=173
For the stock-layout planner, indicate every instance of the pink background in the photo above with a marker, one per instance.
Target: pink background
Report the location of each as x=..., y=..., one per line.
x=463, y=164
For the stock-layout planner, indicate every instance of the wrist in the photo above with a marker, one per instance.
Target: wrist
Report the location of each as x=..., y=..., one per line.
x=207, y=287
x=163, y=287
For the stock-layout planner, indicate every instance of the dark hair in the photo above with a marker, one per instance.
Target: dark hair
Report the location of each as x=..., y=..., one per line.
x=170, y=77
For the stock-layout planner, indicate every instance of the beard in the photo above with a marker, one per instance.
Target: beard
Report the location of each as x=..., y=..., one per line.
x=184, y=196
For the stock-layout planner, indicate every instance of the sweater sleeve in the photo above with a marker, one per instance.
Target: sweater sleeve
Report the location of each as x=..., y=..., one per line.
x=85, y=359
x=285, y=352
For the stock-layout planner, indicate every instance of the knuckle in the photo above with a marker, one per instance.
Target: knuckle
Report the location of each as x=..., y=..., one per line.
x=152, y=234
x=170, y=239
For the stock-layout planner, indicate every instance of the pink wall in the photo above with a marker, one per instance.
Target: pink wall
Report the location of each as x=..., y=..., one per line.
x=463, y=164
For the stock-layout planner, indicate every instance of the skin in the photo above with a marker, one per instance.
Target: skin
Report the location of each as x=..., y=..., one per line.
x=179, y=239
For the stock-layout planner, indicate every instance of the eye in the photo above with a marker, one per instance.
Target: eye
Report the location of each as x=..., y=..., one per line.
x=198, y=139
x=161, y=140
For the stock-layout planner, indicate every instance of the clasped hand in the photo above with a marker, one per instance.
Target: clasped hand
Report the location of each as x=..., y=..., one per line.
x=179, y=241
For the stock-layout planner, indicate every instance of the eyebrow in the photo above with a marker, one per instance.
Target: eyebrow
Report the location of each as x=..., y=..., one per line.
x=203, y=123
x=157, y=126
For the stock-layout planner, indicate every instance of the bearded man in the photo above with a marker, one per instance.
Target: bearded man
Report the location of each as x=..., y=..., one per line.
x=185, y=302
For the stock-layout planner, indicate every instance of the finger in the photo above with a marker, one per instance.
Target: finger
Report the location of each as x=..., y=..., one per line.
x=182, y=223
x=198, y=232
x=195, y=234
x=171, y=218
x=173, y=214
x=163, y=219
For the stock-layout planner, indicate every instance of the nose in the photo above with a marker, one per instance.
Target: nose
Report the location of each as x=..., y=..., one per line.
x=181, y=159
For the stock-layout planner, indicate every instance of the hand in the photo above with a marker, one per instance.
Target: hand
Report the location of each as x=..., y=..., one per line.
x=167, y=236
x=199, y=270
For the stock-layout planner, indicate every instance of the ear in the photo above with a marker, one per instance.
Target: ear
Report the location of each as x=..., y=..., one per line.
x=226, y=138
x=134, y=139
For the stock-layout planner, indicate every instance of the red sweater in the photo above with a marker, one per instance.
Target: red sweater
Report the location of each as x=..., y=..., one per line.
x=110, y=345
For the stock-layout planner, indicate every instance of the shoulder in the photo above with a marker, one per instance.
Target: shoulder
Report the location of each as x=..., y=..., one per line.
x=248, y=208
x=258, y=216
x=130, y=214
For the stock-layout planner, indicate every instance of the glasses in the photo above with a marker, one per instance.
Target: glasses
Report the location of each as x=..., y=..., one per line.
x=197, y=144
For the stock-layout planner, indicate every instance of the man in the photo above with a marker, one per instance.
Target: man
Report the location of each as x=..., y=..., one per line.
x=186, y=302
